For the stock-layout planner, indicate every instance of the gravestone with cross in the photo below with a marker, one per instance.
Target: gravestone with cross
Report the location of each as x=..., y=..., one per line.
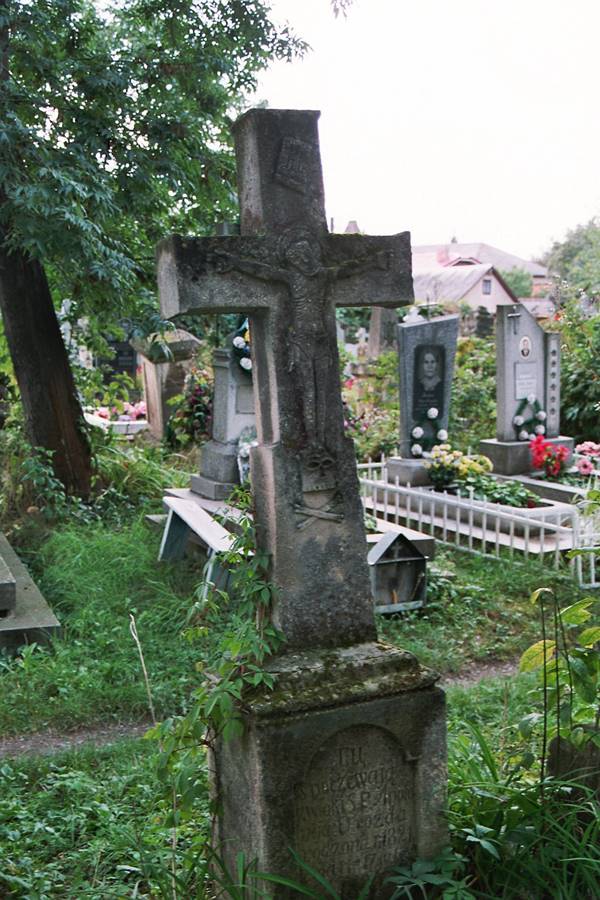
x=344, y=760
x=527, y=390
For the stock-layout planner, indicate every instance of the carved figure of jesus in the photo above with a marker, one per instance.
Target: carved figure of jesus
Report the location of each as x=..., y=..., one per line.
x=308, y=281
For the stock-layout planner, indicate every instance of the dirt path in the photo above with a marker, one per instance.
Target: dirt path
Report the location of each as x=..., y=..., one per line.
x=42, y=743
x=476, y=672
x=49, y=742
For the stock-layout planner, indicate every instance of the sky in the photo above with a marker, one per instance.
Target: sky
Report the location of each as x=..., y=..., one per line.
x=477, y=119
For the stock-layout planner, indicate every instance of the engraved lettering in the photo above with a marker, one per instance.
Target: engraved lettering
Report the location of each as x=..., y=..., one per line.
x=354, y=808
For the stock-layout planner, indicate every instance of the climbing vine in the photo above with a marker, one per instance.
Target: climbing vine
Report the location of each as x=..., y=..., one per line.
x=240, y=613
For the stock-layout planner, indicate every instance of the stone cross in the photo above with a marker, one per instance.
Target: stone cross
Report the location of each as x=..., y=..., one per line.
x=289, y=274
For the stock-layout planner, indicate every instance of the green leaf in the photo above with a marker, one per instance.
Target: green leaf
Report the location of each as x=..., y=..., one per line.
x=535, y=596
x=589, y=637
x=577, y=613
x=539, y=654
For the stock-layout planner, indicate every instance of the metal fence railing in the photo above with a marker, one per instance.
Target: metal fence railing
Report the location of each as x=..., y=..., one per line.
x=545, y=533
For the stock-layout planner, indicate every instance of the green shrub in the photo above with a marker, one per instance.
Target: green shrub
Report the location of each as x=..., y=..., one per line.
x=580, y=374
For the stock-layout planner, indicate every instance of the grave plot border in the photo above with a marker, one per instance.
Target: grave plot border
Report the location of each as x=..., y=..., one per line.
x=487, y=529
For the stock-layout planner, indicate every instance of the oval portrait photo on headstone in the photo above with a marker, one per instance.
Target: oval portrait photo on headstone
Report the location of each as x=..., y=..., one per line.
x=525, y=347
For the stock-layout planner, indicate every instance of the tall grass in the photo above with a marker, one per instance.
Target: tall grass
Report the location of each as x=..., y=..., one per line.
x=94, y=578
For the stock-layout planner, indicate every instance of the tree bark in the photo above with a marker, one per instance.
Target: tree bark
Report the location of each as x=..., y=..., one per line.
x=53, y=415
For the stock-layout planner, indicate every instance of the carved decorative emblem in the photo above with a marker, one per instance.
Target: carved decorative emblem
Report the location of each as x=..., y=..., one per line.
x=294, y=164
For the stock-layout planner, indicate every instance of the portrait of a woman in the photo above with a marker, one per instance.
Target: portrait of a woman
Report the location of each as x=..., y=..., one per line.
x=429, y=380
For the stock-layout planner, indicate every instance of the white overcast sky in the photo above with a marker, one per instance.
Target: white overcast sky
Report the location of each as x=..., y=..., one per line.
x=473, y=118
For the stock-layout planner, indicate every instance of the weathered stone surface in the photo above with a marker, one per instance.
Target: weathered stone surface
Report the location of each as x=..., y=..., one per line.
x=8, y=587
x=382, y=331
x=407, y=471
x=233, y=411
x=164, y=376
x=426, y=351
x=345, y=762
x=288, y=273
x=31, y=619
x=343, y=706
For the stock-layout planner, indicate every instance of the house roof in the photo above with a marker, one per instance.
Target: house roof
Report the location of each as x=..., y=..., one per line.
x=453, y=282
x=445, y=254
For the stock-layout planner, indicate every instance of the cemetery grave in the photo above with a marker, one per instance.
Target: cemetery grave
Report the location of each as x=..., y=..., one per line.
x=327, y=709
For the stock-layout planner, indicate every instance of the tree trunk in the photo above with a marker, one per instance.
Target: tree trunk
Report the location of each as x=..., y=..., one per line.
x=53, y=415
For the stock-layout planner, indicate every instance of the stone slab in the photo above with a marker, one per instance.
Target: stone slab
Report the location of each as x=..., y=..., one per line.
x=549, y=490
x=124, y=428
x=344, y=761
x=218, y=462
x=212, y=490
x=527, y=366
x=31, y=619
x=426, y=351
x=514, y=457
x=8, y=587
x=407, y=471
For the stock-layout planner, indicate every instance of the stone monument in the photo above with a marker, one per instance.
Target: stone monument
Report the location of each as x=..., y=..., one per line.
x=233, y=411
x=164, y=368
x=345, y=760
x=426, y=351
x=527, y=390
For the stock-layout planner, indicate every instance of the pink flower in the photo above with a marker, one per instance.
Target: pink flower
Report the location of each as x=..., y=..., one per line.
x=103, y=412
x=588, y=448
x=585, y=466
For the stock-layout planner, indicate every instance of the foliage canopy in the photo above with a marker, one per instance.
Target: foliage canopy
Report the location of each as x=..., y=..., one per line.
x=114, y=130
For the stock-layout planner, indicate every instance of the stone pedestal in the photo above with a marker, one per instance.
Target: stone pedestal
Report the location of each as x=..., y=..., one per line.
x=407, y=471
x=345, y=762
x=514, y=457
x=233, y=410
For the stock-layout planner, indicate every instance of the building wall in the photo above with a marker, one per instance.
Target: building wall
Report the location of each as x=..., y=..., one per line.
x=475, y=297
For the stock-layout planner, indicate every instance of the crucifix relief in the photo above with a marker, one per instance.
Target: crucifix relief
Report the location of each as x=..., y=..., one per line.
x=288, y=273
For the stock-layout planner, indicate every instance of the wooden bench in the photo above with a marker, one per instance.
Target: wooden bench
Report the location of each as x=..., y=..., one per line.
x=183, y=517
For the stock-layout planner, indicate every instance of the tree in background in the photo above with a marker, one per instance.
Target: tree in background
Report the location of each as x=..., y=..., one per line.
x=114, y=130
x=519, y=281
x=576, y=260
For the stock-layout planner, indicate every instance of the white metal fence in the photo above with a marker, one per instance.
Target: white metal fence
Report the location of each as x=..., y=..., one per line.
x=485, y=528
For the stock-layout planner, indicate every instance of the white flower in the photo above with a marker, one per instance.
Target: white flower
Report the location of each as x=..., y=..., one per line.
x=246, y=363
x=432, y=413
x=442, y=435
x=417, y=432
x=244, y=451
x=518, y=421
x=540, y=429
x=416, y=450
x=541, y=416
x=531, y=398
x=523, y=435
x=239, y=342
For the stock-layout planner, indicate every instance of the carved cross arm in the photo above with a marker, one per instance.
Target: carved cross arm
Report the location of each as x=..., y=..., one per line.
x=371, y=270
x=217, y=274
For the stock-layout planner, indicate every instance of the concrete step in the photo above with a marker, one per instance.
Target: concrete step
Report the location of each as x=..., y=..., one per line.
x=31, y=619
